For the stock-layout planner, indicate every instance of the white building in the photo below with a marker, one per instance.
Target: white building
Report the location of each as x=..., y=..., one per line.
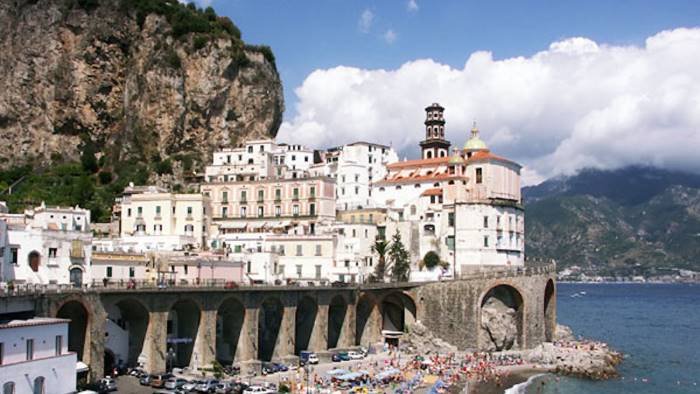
x=259, y=159
x=34, y=357
x=466, y=207
x=354, y=167
x=47, y=245
x=156, y=220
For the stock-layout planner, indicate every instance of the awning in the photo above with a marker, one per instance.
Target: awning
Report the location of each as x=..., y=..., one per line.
x=81, y=367
x=233, y=225
x=392, y=334
x=256, y=225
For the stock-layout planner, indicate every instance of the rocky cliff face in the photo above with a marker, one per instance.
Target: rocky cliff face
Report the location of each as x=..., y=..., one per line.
x=97, y=74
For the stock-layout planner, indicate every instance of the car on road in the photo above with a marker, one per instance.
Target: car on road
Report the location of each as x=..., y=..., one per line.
x=281, y=367
x=223, y=388
x=340, y=356
x=191, y=385
x=146, y=380
x=109, y=383
x=269, y=368
x=355, y=355
x=175, y=383
x=159, y=380
x=307, y=357
x=207, y=386
x=258, y=390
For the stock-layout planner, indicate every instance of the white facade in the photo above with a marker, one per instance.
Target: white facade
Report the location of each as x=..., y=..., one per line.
x=354, y=167
x=35, y=358
x=47, y=245
x=259, y=159
x=420, y=196
x=154, y=220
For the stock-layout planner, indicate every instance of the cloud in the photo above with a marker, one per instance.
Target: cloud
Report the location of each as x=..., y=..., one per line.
x=365, y=22
x=412, y=5
x=575, y=104
x=389, y=36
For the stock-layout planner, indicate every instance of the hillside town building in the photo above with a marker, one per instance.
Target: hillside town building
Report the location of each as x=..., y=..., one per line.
x=354, y=167
x=46, y=245
x=34, y=357
x=279, y=213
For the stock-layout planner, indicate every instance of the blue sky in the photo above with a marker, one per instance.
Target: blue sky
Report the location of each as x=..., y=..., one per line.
x=319, y=34
x=555, y=85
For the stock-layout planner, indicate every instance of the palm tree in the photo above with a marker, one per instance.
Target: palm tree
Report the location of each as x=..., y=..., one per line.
x=381, y=247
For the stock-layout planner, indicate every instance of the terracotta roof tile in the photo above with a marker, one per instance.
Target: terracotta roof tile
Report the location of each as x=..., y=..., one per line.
x=418, y=163
x=436, y=191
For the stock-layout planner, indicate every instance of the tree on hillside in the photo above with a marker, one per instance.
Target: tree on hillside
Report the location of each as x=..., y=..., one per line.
x=399, y=258
x=380, y=247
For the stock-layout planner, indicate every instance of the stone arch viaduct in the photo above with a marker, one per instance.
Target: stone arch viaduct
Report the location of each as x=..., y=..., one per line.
x=196, y=326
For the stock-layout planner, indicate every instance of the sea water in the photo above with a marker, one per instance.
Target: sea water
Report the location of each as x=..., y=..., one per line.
x=656, y=327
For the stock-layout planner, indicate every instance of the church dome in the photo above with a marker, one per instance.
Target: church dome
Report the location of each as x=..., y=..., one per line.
x=456, y=159
x=474, y=142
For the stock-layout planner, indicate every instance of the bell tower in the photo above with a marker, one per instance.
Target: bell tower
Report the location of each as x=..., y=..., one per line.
x=434, y=145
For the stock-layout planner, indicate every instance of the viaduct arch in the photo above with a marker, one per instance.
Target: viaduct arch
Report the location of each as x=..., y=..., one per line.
x=249, y=324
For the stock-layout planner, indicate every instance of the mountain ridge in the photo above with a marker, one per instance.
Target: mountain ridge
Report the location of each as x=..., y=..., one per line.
x=634, y=220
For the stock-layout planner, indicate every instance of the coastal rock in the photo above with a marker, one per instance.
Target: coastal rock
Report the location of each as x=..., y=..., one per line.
x=127, y=84
x=420, y=339
x=587, y=359
x=563, y=333
x=499, y=324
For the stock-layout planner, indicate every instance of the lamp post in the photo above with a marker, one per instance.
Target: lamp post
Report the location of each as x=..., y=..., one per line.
x=170, y=358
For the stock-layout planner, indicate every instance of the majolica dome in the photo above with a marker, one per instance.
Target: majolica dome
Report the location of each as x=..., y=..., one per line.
x=474, y=142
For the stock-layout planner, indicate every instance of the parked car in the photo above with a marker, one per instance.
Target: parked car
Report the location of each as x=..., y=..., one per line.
x=353, y=355
x=232, y=369
x=238, y=387
x=159, y=380
x=138, y=372
x=268, y=368
x=340, y=356
x=223, y=388
x=307, y=357
x=191, y=385
x=281, y=367
x=175, y=383
x=109, y=383
x=338, y=283
x=258, y=390
x=207, y=386
x=146, y=380
x=90, y=388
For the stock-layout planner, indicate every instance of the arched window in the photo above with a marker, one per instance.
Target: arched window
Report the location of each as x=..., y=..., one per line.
x=39, y=385
x=34, y=260
x=429, y=155
x=8, y=388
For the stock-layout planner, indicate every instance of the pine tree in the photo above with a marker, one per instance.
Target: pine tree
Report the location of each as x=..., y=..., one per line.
x=400, y=260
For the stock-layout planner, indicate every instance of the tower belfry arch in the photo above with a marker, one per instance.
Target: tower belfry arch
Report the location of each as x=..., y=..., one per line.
x=434, y=145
